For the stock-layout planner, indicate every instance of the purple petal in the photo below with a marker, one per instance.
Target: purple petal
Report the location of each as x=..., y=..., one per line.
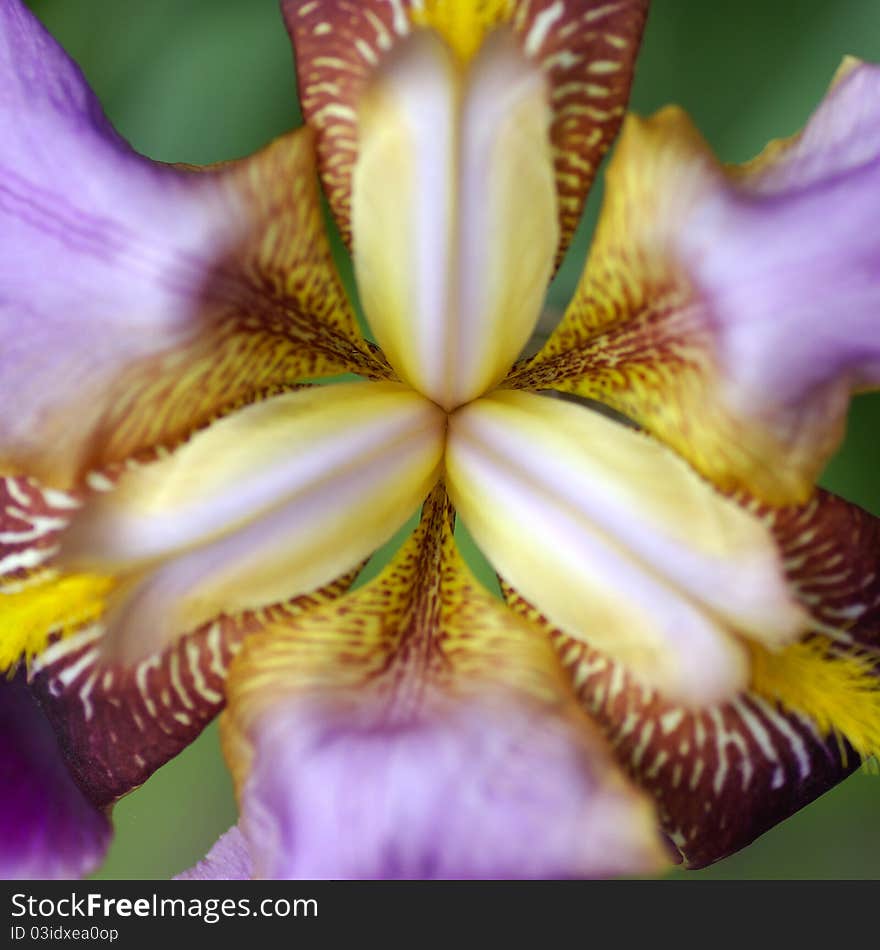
x=48, y=827
x=125, y=284
x=89, y=229
x=842, y=135
x=751, y=303
x=791, y=260
x=475, y=791
x=228, y=860
x=787, y=262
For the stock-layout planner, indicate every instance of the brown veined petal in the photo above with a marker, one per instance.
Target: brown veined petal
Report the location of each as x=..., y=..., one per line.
x=725, y=774
x=721, y=776
x=417, y=728
x=832, y=560
x=140, y=300
x=118, y=723
x=586, y=49
x=272, y=313
x=732, y=312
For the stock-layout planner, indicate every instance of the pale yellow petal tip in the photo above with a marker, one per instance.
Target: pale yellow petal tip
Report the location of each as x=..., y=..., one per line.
x=668, y=123
x=657, y=148
x=639, y=837
x=847, y=65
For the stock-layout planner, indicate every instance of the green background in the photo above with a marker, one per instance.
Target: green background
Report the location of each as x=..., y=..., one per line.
x=205, y=80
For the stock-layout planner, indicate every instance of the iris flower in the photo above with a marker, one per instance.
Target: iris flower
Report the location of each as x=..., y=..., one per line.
x=685, y=645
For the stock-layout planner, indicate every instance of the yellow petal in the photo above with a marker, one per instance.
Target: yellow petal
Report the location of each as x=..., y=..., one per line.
x=619, y=542
x=454, y=212
x=264, y=505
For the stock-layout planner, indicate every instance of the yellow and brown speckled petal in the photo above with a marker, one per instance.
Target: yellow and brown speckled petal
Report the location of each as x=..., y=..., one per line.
x=732, y=312
x=259, y=315
x=417, y=728
x=585, y=48
x=274, y=312
x=141, y=299
x=424, y=626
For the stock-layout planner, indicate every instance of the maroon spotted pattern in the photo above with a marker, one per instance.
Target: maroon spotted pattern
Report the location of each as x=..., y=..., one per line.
x=587, y=49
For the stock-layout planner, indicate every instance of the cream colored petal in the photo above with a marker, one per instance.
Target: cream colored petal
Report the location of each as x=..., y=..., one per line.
x=265, y=505
x=454, y=213
x=619, y=542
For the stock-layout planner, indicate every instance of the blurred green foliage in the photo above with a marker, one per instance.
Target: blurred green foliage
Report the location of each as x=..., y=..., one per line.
x=206, y=80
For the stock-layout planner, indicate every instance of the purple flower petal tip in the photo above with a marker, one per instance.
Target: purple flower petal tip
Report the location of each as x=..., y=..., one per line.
x=48, y=827
x=228, y=860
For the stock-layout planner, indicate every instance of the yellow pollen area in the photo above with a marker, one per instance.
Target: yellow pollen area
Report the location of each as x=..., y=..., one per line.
x=463, y=24
x=46, y=609
x=840, y=693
